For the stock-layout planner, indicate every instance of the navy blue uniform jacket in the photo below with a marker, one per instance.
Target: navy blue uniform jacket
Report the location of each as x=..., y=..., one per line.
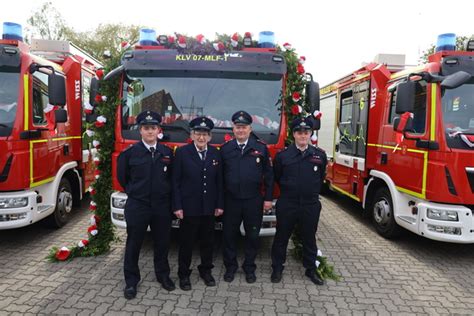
x=197, y=184
x=245, y=173
x=300, y=175
x=147, y=180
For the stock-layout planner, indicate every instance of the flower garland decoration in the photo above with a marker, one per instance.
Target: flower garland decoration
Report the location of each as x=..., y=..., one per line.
x=100, y=232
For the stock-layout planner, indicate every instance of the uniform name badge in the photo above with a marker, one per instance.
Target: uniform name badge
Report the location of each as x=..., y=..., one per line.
x=315, y=168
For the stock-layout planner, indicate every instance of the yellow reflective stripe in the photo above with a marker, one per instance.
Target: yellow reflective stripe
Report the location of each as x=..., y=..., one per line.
x=35, y=184
x=425, y=169
x=352, y=196
x=433, y=111
x=32, y=142
x=26, y=101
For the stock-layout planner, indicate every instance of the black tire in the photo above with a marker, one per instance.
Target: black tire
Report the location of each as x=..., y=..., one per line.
x=64, y=203
x=382, y=214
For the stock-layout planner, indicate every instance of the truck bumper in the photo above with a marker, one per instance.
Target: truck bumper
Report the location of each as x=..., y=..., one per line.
x=460, y=229
x=24, y=215
x=118, y=199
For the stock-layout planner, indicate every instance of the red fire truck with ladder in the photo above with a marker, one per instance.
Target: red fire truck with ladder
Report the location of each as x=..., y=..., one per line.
x=402, y=143
x=182, y=85
x=44, y=166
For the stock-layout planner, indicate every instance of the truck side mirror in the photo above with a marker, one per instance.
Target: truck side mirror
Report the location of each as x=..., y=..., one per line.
x=60, y=116
x=93, y=90
x=405, y=97
x=57, y=89
x=312, y=95
x=316, y=124
x=404, y=123
x=455, y=80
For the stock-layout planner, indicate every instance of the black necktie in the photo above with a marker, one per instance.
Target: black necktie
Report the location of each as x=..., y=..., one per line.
x=203, y=154
x=152, y=150
x=242, y=146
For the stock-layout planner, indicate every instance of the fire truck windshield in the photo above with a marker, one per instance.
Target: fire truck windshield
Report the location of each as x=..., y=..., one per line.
x=9, y=82
x=181, y=96
x=458, y=113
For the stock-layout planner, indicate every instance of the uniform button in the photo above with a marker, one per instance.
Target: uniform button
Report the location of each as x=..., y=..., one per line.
x=204, y=177
x=204, y=184
x=204, y=169
x=204, y=191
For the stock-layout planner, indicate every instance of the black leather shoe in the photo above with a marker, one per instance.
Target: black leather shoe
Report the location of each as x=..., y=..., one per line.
x=250, y=277
x=130, y=292
x=276, y=276
x=185, y=284
x=167, y=283
x=229, y=276
x=208, y=279
x=314, y=277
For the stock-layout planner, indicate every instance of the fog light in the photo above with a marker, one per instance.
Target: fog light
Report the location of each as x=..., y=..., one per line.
x=119, y=202
x=118, y=217
x=445, y=229
x=442, y=215
x=12, y=217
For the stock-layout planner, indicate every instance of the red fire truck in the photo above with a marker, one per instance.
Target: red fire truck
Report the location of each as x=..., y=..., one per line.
x=43, y=167
x=181, y=85
x=402, y=144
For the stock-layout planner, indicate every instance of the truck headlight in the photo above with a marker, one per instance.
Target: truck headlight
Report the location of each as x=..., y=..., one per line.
x=119, y=202
x=13, y=202
x=442, y=215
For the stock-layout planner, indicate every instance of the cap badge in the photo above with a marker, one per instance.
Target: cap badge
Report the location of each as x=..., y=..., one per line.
x=203, y=124
x=302, y=124
x=149, y=118
x=241, y=118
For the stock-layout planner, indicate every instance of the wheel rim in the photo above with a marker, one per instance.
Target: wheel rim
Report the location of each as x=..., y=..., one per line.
x=64, y=202
x=382, y=212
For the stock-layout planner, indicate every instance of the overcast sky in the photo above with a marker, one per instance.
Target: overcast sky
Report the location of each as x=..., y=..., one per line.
x=334, y=36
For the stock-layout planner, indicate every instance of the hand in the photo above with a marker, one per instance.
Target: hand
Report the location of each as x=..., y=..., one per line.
x=218, y=212
x=179, y=214
x=267, y=206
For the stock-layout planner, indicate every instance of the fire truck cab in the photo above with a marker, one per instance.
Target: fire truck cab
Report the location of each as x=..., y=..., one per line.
x=402, y=144
x=43, y=167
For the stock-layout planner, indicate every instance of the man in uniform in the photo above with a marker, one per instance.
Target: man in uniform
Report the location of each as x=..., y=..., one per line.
x=299, y=170
x=247, y=166
x=197, y=199
x=143, y=170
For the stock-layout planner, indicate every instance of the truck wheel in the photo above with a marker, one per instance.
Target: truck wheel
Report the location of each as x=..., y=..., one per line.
x=63, y=208
x=382, y=214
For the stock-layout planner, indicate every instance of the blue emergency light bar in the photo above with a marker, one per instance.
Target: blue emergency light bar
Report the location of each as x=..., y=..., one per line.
x=12, y=31
x=446, y=41
x=148, y=37
x=266, y=39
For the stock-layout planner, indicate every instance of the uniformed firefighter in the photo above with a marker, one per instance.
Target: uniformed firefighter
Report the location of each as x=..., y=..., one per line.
x=144, y=171
x=248, y=182
x=299, y=170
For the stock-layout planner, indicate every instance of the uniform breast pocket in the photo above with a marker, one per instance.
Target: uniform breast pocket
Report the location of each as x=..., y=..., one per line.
x=139, y=167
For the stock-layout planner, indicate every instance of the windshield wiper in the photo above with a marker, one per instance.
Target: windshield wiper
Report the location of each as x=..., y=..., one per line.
x=230, y=128
x=176, y=127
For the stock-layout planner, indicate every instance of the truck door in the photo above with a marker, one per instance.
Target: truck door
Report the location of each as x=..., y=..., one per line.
x=44, y=152
x=404, y=162
x=351, y=137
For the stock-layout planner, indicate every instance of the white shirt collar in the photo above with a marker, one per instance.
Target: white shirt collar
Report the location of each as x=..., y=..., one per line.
x=302, y=148
x=197, y=149
x=245, y=143
x=148, y=146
